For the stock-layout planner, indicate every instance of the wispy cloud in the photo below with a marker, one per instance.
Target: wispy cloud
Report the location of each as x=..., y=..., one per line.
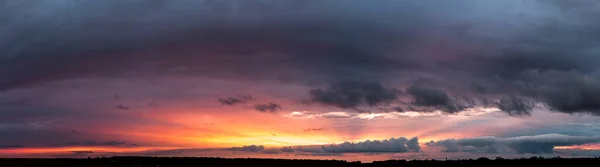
x=387, y=115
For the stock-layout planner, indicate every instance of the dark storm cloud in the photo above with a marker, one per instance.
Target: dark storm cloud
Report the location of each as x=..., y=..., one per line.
x=427, y=96
x=352, y=94
x=515, y=106
x=269, y=107
x=251, y=37
x=314, y=42
x=401, y=144
x=539, y=144
x=567, y=92
x=428, y=99
x=230, y=101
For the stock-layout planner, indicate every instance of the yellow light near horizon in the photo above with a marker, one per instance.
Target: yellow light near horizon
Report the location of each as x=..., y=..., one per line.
x=270, y=140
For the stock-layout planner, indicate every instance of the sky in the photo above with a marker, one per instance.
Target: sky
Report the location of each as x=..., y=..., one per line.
x=303, y=79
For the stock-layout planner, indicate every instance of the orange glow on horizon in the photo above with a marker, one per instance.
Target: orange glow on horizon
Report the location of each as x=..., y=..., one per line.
x=43, y=150
x=581, y=147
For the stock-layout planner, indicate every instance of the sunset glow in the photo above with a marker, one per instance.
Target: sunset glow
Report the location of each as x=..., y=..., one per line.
x=317, y=79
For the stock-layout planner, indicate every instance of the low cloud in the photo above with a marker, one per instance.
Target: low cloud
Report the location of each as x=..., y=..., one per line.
x=96, y=143
x=287, y=149
x=393, y=145
x=230, y=101
x=539, y=144
x=249, y=148
x=269, y=107
x=11, y=146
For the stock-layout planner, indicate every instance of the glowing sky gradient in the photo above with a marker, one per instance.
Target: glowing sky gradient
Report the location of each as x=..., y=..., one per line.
x=310, y=79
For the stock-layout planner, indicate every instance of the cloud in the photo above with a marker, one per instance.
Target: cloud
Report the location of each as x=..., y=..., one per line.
x=352, y=94
x=288, y=149
x=572, y=129
x=249, y=148
x=568, y=92
x=95, y=143
x=230, y=101
x=389, y=115
x=390, y=145
x=269, y=107
x=11, y=146
x=538, y=144
x=312, y=43
x=427, y=96
x=122, y=107
x=515, y=106
x=535, y=51
x=314, y=129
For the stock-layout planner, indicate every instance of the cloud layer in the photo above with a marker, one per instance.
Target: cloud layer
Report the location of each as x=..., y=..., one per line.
x=316, y=42
x=352, y=94
x=215, y=67
x=539, y=144
x=391, y=145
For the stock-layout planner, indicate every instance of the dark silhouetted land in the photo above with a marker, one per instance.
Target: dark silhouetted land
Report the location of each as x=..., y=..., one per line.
x=225, y=162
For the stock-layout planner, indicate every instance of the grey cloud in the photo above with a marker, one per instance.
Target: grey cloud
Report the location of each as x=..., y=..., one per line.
x=413, y=144
x=427, y=99
x=249, y=148
x=427, y=96
x=316, y=42
x=11, y=146
x=567, y=92
x=59, y=50
x=122, y=107
x=94, y=143
x=578, y=152
x=269, y=107
x=271, y=151
x=572, y=129
x=391, y=145
x=515, y=106
x=82, y=152
x=288, y=149
x=539, y=144
x=230, y=101
x=352, y=94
